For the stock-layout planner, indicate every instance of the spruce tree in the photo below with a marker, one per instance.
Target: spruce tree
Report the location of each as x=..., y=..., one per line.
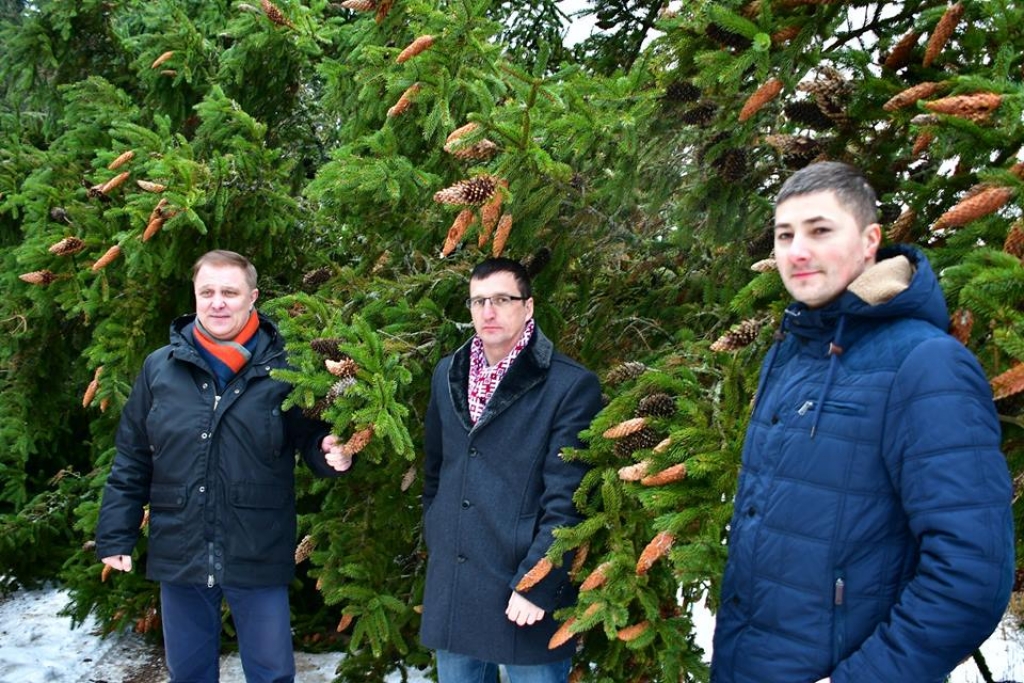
x=366, y=154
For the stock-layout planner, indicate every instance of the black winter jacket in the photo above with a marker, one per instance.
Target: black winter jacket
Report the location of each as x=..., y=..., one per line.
x=218, y=474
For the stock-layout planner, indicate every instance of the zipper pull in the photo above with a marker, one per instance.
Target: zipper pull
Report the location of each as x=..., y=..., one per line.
x=805, y=407
x=209, y=581
x=840, y=590
x=216, y=402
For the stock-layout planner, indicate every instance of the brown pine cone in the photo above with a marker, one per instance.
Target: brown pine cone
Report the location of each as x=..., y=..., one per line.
x=762, y=96
x=107, y=258
x=942, y=33
x=535, y=575
x=38, y=277
x=414, y=48
x=161, y=59
x=317, y=276
x=633, y=632
x=121, y=159
x=501, y=234
x=658, y=404
x=1014, y=243
x=654, y=551
x=67, y=246
x=899, y=56
x=358, y=441
x=740, y=336
x=596, y=578
x=625, y=428
x=909, y=96
x=973, y=207
x=474, y=191
x=457, y=230
x=976, y=107
x=346, y=367
x=404, y=102
x=329, y=348
x=625, y=372
x=666, y=476
x=563, y=635
x=274, y=14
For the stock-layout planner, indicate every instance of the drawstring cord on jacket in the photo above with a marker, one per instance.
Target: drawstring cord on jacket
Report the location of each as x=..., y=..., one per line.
x=834, y=351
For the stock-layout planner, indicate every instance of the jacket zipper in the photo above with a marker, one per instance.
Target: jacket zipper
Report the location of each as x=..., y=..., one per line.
x=209, y=579
x=839, y=617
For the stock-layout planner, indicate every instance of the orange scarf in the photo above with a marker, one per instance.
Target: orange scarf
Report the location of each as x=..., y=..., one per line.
x=229, y=354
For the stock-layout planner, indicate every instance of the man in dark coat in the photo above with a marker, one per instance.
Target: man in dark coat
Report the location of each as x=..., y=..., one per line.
x=203, y=441
x=872, y=538
x=501, y=409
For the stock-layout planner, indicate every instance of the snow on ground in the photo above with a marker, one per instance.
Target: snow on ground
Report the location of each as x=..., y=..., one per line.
x=38, y=646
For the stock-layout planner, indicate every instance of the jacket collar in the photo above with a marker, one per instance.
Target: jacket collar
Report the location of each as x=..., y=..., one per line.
x=528, y=370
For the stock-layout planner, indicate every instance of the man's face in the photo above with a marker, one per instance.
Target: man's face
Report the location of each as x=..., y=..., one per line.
x=223, y=299
x=499, y=327
x=819, y=247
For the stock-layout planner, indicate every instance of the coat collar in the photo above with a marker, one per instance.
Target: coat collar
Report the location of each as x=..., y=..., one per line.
x=528, y=370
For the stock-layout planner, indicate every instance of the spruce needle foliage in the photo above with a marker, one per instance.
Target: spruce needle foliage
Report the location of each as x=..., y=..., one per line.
x=634, y=191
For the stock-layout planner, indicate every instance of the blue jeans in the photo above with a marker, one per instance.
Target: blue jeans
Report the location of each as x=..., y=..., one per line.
x=191, y=616
x=456, y=668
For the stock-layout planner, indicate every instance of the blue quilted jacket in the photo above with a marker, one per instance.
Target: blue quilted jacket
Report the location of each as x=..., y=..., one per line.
x=872, y=538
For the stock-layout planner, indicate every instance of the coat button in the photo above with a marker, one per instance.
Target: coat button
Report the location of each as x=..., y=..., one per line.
x=775, y=419
x=751, y=511
x=205, y=435
x=465, y=504
x=202, y=489
x=461, y=558
x=473, y=452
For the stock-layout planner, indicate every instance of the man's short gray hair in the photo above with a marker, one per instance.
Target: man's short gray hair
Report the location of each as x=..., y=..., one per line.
x=223, y=257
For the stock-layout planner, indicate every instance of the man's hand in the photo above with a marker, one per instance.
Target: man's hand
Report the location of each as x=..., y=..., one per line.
x=825, y=680
x=522, y=611
x=120, y=562
x=336, y=458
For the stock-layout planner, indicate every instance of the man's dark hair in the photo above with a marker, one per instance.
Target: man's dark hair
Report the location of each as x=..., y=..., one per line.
x=852, y=189
x=491, y=266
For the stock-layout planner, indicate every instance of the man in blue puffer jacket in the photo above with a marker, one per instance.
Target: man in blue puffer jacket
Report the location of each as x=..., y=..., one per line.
x=872, y=538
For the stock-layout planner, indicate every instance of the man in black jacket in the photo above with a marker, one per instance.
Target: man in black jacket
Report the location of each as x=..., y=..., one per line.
x=203, y=441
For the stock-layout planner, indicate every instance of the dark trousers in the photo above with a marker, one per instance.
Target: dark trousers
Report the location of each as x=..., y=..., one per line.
x=191, y=616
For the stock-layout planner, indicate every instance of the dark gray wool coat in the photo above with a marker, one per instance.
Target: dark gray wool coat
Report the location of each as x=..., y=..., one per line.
x=492, y=496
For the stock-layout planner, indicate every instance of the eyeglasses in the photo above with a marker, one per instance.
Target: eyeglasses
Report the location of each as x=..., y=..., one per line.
x=477, y=303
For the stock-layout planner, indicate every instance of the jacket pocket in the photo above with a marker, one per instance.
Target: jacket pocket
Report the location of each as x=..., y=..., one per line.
x=833, y=407
x=167, y=525
x=261, y=523
x=526, y=529
x=259, y=496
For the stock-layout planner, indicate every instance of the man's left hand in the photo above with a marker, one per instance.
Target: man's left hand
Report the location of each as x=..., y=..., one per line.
x=522, y=611
x=335, y=456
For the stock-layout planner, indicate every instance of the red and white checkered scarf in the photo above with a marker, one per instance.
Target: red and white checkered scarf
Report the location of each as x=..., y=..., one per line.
x=484, y=379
